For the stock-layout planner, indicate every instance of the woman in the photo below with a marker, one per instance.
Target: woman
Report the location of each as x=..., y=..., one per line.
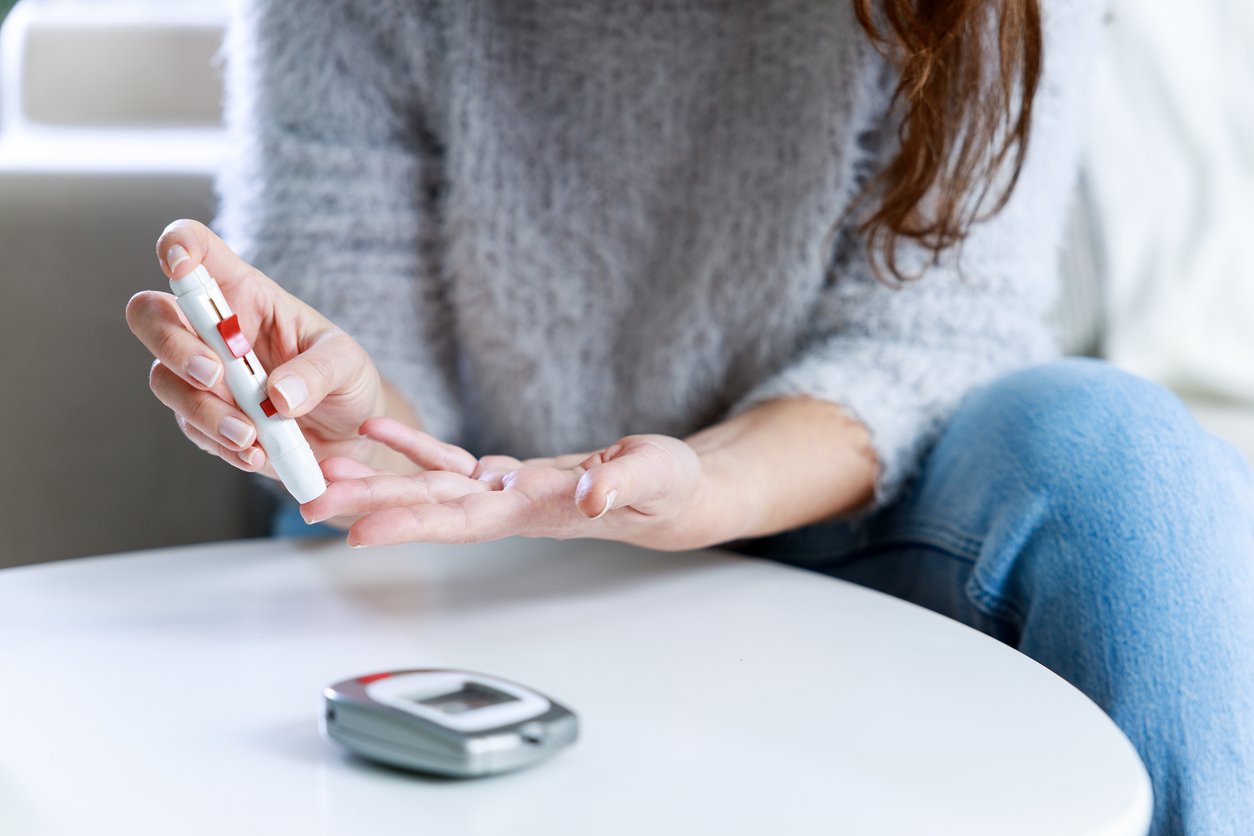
x=769, y=274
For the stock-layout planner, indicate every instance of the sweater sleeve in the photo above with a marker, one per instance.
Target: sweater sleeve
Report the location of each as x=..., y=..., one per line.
x=900, y=359
x=332, y=177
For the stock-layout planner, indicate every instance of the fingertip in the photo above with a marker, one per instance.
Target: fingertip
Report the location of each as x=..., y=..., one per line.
x=593, y=498
x=181, y=246
x=339, y=468
x=585, y=485
x=175, y=257
x=609, y=503
x=134, y=306
x=382, y=528
x=358, y=536
x=379, y=423
x=146, y=307
x=323, y=507
x=308, y=514
x=252, y=458
x=203, y=371
x=290, y=394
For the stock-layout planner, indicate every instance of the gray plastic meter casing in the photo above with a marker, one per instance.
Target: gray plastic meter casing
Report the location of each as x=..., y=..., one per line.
x=446, y=722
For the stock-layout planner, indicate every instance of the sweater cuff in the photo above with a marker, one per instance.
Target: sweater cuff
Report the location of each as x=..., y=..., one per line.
x=903, y=403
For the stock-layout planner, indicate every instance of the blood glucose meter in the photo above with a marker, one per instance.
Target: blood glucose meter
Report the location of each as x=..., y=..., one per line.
x=446, y=722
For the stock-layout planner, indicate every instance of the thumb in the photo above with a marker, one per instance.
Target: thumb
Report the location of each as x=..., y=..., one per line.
x=186, y=243
x=332, y=364
x=633, y=472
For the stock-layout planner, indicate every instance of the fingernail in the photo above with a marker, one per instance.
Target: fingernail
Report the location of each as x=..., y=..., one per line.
x=293, y=390
x=356, y=545
x=609, y=503
x=175, y=256
x=203, y=370
x=247, y=456
x=236, y=431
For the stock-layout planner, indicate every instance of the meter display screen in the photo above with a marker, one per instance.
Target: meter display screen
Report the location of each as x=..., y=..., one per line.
x=470, y=696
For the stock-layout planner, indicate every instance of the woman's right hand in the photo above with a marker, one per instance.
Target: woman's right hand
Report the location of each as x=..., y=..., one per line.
x=317, y=373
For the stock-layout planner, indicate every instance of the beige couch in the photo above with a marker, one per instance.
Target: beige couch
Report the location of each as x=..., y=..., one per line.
x=108, y=133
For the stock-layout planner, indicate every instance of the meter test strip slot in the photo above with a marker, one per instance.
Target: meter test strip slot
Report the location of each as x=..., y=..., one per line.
x=206, y=309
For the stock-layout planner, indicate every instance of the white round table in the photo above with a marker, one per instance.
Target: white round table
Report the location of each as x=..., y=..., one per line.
x=178, y=692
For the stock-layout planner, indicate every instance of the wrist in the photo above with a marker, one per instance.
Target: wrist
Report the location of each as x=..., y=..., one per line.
x=723, y=505
x=781, y=465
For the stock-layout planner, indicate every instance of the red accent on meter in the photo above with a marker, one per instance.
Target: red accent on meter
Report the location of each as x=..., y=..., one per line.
x=374, y=677
x=234, y=338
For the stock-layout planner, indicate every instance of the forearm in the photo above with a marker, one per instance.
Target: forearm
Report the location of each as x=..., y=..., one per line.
x=781, y=465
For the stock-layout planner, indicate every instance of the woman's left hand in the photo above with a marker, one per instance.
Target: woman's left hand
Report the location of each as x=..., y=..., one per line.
x=643, y=489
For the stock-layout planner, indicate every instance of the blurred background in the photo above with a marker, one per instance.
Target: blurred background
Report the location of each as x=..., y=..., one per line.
x=110, y=127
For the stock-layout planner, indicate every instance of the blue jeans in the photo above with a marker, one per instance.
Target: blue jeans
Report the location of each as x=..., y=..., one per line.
x=1082, y=516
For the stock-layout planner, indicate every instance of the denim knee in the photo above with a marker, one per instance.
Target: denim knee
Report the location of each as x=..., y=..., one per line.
x=1115, y=474
x=1095, y=436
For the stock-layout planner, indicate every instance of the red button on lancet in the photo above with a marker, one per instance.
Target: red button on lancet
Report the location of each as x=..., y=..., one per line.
x=268, y=407
x=233, y=336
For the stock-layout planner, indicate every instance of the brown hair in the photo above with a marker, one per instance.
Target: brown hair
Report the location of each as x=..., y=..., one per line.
x=968, y=73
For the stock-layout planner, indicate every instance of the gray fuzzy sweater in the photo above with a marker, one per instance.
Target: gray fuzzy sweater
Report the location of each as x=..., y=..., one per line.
x=556, y=223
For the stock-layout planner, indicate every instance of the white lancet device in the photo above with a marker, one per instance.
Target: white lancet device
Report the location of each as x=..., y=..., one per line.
x=206, y=309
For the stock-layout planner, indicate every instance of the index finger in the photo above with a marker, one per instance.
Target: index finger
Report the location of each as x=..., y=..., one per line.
x=423, y=449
